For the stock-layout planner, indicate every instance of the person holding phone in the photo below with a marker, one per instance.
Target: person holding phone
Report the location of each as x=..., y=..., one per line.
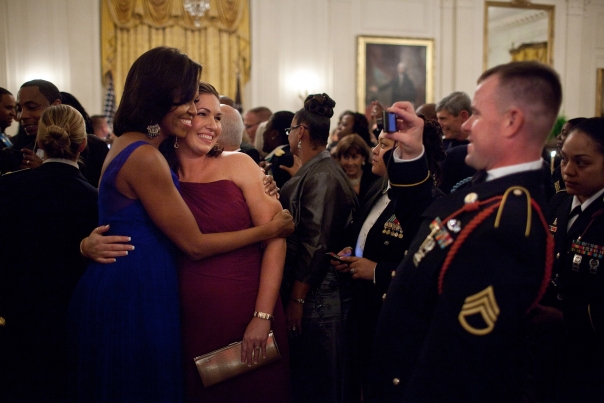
x=322, y=201
x=380, y=239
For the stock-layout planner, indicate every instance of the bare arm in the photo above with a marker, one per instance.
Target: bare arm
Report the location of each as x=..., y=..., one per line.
x=262, y=207
x=169, y=212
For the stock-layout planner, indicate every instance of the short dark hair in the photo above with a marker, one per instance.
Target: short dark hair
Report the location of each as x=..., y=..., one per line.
x=68, y=99
x=280, y=121
x=353, y=144
x=360, y=125
x=46, y=88
x=159, y=79
x=572, y=123
x=263, y=113
x=318, y=109
x=532, y=82
x=594, y=128
x=4, y=91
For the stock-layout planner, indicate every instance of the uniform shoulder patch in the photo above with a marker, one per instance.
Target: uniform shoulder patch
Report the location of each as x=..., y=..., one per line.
x=479, y=312
x=516, y=192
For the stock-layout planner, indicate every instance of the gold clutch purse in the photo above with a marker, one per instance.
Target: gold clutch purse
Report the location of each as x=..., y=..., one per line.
x=225, y=363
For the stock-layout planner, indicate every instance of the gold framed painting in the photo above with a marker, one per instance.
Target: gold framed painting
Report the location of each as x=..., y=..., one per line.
x=600, y=94
x=394, y=69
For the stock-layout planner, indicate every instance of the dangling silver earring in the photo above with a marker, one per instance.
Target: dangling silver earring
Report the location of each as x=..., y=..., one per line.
x=175, y=142
x=153, y=131
x=299, y=144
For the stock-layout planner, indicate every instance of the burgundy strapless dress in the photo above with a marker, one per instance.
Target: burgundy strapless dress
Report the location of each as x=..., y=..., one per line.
x=218, y=296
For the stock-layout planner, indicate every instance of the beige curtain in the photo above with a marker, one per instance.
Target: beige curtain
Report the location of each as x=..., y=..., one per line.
x=530, y=51
x=221, y=44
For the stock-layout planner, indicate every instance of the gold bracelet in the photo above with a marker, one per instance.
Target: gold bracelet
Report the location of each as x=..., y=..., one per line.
x=81, y=251
x=298, y=300
x=263, y=315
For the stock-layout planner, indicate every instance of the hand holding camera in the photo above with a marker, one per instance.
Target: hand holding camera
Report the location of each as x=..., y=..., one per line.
x=401, y=124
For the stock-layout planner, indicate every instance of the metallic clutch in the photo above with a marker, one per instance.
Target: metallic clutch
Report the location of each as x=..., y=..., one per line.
x=225, y=363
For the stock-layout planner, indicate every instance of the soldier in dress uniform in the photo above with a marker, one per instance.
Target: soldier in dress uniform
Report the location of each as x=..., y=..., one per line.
x=575, y=297
x=452, y=322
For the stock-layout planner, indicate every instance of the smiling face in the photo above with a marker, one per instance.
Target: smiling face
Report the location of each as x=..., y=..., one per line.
x=31, y=103
x=582, y=165
x=484, y=127
x=352, y=164
x=378, y=165
x=450, y=124
x=206, y=128
x=179, y=120
x=7, y=111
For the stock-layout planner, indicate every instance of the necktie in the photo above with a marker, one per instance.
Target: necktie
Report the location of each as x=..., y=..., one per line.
x=572, y=217
x=574, y=212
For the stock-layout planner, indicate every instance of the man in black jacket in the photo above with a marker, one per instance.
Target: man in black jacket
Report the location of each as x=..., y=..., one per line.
x=33, y=99
x=451, y=327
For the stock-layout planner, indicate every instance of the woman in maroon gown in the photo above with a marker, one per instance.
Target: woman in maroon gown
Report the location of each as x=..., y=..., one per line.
x=220, y=294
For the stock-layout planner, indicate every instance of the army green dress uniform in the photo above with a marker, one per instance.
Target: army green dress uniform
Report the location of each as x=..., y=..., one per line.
x=452, y=323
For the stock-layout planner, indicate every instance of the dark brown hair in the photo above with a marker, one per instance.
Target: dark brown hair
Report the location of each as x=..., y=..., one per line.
x=157, y=81
x=532, y=82
x=318, y=109
x=353, y=144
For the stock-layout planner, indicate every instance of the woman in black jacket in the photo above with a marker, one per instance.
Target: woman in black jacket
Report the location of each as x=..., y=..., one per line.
x=322, y=201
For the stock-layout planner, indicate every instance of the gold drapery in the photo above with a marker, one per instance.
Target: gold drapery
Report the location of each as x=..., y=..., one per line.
x=530, y=51
x=221, y=44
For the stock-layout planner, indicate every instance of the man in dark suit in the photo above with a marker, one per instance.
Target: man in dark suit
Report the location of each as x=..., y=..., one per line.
x=33, y=99
x=452, y=323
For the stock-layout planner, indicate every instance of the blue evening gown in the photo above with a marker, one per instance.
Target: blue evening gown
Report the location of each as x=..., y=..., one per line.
x=125, y=315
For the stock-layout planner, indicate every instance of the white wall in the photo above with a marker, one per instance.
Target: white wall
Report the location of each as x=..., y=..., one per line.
x=320, y=35
x=59, y=40
x=56, y=40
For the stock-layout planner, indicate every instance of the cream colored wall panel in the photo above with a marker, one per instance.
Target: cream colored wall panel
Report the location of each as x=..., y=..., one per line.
x=468, y=45
x=408, y=16
x=344, y=51
x=600, y=30
x=54, y=40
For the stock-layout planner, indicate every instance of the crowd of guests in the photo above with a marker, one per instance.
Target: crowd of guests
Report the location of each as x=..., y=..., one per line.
x=443, y=260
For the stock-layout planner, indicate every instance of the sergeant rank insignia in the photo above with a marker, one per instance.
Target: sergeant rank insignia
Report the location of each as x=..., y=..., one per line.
x=481, y=305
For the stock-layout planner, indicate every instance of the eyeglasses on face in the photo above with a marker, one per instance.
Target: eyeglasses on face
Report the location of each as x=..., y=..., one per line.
x=289, y=129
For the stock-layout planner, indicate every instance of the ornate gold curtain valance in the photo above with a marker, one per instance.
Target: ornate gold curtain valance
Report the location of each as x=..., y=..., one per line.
x=220, y=44
x=530, y=51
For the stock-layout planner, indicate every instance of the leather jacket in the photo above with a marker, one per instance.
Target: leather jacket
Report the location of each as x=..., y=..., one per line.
x=322, y=202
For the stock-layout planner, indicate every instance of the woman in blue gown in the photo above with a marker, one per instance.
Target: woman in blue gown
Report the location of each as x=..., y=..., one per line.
x=125, y=316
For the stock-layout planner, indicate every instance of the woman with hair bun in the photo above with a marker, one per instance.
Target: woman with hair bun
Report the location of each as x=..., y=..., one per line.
x=321, y=200
x=44, y=212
